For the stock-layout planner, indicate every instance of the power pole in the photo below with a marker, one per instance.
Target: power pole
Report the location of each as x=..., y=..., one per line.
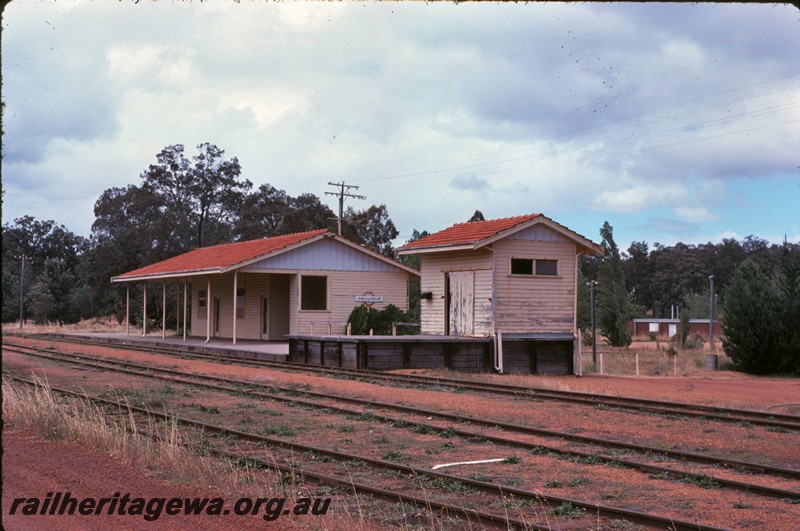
x=592, y=286
x=711, y=313
x=344, y=191
x=21, y=286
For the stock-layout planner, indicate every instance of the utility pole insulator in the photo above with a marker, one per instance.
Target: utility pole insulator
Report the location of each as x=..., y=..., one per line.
x=344, y=191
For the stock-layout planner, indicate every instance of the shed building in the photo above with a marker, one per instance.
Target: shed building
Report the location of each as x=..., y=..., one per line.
x=513, y=276
x=268, y=288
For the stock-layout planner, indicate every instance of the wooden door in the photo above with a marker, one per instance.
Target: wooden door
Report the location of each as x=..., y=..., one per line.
x=461, y=286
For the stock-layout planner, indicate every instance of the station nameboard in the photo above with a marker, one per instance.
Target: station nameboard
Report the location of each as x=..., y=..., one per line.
x=369, y=298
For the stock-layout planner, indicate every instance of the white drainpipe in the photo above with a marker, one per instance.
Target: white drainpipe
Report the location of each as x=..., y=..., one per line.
x=497, y=336
x=498, y=352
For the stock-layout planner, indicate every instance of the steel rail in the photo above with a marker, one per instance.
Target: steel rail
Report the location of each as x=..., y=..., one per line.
x=733, y=484
x=599, y=509
x=636, y=404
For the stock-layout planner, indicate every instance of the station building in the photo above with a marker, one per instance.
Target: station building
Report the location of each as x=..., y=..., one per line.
x=269, y=288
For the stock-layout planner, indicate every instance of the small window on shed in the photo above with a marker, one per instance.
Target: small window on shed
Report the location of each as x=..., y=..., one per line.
x=547, y=267
x=313, y=293
x=521, y=266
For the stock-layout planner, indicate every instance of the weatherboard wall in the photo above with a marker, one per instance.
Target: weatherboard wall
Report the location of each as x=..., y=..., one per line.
x=257, y=287
x=282, y=292
x=523, y=303
x=324, y=255
x=343, y=288
x=532, y=303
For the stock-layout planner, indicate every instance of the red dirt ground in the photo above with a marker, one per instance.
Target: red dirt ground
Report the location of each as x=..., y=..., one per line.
x=32, y=467
x=38, y=467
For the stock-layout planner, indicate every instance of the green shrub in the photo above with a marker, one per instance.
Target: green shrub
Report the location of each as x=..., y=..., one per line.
x=363, y=319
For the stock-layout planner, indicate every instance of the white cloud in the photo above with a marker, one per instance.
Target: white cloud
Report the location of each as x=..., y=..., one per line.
x=636, y=196
x=626, y=110
x=695, y=214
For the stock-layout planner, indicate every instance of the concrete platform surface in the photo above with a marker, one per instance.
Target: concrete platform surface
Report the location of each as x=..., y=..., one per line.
x=275, y=350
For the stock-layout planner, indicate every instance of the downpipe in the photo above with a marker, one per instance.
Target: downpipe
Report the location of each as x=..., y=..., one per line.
x=498, y=352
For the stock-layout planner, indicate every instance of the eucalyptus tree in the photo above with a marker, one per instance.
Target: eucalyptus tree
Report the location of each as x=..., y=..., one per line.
x=371, y=227
x=201, y=196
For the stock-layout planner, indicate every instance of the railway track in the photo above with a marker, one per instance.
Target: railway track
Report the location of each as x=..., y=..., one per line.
x=454, y=426
x=250, y=446
x=735, y=415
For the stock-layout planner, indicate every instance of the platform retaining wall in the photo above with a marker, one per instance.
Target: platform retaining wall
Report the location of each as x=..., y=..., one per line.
x=385, y=353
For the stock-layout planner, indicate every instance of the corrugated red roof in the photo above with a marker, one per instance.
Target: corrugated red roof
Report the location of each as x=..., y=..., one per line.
x=468, y=233
x=220, y=256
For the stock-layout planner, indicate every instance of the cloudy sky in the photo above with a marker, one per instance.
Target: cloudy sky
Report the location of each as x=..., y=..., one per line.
x=674, y=122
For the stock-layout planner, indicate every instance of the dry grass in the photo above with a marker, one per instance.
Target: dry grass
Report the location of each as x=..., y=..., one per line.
x=80, y=421
x=521, y=380
x=167, y=454
x=83, y=422
x=654, y=360
x=96, y=324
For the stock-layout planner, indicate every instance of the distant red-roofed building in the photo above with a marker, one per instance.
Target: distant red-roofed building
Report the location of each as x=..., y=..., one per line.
x=515, y=275
x=268, y=288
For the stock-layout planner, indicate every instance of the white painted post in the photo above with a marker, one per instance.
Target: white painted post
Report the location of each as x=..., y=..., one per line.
x=127, y=308
x=208, y=310
x=349, y=328
x=163, y=309
x=144, y=310
x=329, y=327
x=601, y=361
x=637, y=364
x=675, y=365
x=394, y=329
x=184, y=308
x=235, y=286
x=177, y=310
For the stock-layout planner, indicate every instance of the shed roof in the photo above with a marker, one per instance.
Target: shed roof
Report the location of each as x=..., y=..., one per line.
x=476, y=234
x=229, y=256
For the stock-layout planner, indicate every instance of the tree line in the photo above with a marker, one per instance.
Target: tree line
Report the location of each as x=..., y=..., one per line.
x=756, y=295
x=184, y=202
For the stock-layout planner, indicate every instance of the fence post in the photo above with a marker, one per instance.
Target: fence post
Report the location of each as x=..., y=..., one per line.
x=394, y=329
x=601, y=362
x=349, y=329
x=637, y=364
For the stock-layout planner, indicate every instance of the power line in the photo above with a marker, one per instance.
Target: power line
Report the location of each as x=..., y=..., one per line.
x=344, y=191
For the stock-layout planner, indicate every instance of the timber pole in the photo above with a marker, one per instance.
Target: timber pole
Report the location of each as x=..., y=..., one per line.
x=235, y=309
x=208, y=310
x=144, y=309
x=711, y=314
x=163, y=309
x=184, y=308
x=127, y=308
x=592, y=285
